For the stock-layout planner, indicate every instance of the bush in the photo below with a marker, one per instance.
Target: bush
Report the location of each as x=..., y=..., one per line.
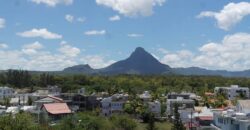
x=123, y=122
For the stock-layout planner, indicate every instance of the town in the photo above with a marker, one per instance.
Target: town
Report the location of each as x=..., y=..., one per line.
x=226, y=108
x=124, y=65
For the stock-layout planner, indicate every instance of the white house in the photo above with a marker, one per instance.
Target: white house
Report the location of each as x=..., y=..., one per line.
x=146, y=97
x=233, y=91
x=182, y=104
x=155, y=107
x=231, y=120
x=6, y=92
x=185, y=107
x=243, y=106
x=113, y=104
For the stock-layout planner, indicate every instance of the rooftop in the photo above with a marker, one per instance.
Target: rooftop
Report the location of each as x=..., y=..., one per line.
x=57, y=108
x=244, y=103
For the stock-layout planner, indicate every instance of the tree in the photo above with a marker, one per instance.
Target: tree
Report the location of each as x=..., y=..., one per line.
x=123, y=122
x=30, y=101
x=177, y=123
x=21, y=121
x=151, y=122
x=6, y=102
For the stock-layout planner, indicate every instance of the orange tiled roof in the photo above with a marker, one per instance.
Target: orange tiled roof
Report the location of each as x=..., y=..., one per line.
x=57, y=108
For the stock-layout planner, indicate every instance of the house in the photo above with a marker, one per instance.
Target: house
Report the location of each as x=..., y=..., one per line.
x=54, y=111
x=6, y=92
x=184, y=95
x=54, y=90
x=16, y=101
x=146, y=97
x=155, y=107
x=202, y=118
x=185, y=107
x=175, y=95
x=47, y=100
x=113, y=104
x=231, y=120
x=21, y=99
x=44, y=92
x=233, y=91
x=243, y=106
x=84, y=102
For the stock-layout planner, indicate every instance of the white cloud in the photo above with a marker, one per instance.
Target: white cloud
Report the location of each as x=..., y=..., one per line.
x=97, y=61
x=230, y=15
x=34, y=57
x=95, y=32
x=132, y=7
x=115, y=18
x=162, y=50
x=232, y=53
x=81, y=19
x=3, y=46
x=31, y=49
x=134, y=35
x=69, y=18
x=2, y=23
x=52, y=3
x=181, y=58
x=43, y=33
x=69, y=50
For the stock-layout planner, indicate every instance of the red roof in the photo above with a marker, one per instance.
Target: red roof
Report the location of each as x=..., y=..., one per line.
x=57, y=108
x=206, y=118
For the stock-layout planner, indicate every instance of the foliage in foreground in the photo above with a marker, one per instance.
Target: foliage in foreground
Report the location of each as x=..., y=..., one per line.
x=86, y=121
x=21, y=121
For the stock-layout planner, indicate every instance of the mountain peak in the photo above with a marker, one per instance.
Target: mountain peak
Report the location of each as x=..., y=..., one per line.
x=79, y=69
x=139, y=62
x=139, y=49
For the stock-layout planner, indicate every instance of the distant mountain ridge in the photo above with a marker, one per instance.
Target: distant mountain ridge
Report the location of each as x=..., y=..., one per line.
x=142, y=62
x=80, y=69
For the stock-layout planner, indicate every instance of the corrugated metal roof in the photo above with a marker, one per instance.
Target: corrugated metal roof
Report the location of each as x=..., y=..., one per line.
x=57, y=108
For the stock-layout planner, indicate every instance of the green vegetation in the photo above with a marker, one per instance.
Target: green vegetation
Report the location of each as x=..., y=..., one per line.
x=159, y=126
x=21, y=121
x=177, y=123
x=133, y=84
x=80, y=121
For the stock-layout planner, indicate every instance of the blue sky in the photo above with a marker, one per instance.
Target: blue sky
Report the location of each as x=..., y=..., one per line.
x=54, y=34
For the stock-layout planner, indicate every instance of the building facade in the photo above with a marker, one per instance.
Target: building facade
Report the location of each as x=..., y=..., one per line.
x=233, y=91
x=6, y=92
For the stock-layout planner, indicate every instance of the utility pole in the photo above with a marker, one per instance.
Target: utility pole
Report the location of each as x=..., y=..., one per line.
x=191, y=125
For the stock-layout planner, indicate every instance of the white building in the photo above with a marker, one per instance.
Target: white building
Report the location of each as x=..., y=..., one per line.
x=231, y=120
x=243, y=106
x=6, y=92
x=233, y=91
x=113, y=104
x=155, y=107
x=238, y=119
x=146, y=97
x=185, y=107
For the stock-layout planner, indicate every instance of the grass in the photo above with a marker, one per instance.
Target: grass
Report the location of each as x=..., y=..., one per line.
x=159, y=125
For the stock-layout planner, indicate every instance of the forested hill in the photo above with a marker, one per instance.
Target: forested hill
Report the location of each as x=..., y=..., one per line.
x=129, y=83
x=141, y=62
